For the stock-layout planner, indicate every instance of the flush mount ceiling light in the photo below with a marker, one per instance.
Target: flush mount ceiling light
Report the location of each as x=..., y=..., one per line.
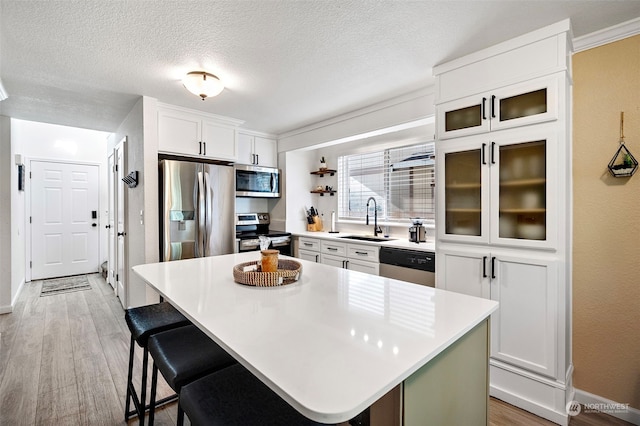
x=202, y=84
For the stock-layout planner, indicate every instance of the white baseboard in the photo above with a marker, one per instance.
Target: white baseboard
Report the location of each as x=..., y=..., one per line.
x=7, y=309
x=631, y=415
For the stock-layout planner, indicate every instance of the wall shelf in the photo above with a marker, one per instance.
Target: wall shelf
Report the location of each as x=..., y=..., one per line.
x=323, y=172
x=323, y=192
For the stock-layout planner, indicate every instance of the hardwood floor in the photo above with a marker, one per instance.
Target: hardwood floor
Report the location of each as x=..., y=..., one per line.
x=63, y=361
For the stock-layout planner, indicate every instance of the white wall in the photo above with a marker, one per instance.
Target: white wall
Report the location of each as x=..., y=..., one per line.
x=7, y=169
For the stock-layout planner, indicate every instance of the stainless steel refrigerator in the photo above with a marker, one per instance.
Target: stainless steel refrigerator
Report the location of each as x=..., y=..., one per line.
x=196, y=210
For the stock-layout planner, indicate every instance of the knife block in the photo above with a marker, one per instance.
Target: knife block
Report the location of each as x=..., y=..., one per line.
x=316, y=226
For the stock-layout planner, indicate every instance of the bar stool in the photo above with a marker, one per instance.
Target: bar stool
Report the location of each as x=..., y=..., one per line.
x=234, y=397
x=183, y=355
x=144, y=321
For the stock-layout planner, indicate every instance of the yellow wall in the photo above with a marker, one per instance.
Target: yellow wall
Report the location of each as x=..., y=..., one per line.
x=606, y=243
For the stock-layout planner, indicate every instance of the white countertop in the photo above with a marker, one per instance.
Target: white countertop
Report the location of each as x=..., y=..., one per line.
x=331, y=343
x=403, y=243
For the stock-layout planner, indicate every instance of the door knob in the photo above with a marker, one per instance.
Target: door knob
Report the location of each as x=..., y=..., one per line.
x=121, y=234
x=94, y=224
x=108, y=226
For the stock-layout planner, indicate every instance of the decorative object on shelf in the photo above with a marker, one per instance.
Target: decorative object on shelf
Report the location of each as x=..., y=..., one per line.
x=250, y=273
x=323, y=164
x=131, y=179
x=202, y=84
x=623, y=163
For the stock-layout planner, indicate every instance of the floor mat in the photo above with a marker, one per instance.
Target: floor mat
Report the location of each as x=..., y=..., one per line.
x=65, y=285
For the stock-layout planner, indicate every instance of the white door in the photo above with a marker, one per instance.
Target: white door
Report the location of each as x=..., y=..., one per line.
x=120, y=223
x=311, y=256
x=64, y=219
x=331, y=260
x=111, y=226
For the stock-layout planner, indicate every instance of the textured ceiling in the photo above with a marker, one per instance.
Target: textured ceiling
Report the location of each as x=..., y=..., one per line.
x=286, y=64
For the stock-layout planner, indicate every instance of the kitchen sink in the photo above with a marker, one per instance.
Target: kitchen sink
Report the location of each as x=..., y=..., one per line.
x=367, y=238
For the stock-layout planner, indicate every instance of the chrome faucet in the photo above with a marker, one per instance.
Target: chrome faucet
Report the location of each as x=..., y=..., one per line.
x=376, y=229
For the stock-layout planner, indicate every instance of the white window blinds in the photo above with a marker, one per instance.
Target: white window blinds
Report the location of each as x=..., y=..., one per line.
x=401, y=180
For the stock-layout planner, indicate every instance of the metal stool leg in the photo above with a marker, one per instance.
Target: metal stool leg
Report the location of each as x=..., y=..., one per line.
x=129, y=379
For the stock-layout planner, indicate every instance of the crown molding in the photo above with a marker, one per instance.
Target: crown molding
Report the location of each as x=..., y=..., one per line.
x=607, y=35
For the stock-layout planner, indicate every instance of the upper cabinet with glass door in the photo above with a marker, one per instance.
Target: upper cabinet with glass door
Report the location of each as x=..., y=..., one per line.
x=497, y=190
x=534, y=101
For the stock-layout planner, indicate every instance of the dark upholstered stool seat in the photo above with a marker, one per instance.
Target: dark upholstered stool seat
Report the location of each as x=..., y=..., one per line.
x=144, y=321
x=183, y=355
x=235, y=397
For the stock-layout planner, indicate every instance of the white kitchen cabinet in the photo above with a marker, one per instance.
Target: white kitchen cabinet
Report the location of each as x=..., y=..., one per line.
x=257, y=150
x=464, y=271
x=355, y=257
x=524, y=330
x=530, y=102
x=311, y=256
x=499, y=188
x=184, y=132
x=503, y=207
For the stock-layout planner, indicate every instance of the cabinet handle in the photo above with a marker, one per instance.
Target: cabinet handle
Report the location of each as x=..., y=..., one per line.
x=204, y=144
x=484, y=160
x=484, y=267
x=332, y=248
x=253, y=159
x=346, y=264
x=257, y=159
x=121, y=234
x=200, y=150
x=493, y=156
x=316, y=258
x=484, y=108
x=493, y=104
x=308, y=244
x=493, y=268
x=362, y=253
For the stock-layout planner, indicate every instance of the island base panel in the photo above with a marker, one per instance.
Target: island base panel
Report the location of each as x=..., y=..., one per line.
x=452, y=389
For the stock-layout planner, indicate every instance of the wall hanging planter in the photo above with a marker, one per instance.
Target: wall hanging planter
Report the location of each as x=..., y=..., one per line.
x=623, y=163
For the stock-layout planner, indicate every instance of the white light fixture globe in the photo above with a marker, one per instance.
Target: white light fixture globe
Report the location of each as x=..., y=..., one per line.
x=202, y=84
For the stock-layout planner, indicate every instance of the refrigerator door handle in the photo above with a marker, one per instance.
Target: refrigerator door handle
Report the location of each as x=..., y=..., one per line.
x=208, y=214
x=200, y=215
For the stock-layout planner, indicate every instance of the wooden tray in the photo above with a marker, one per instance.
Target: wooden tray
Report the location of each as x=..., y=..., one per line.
x=288, y=272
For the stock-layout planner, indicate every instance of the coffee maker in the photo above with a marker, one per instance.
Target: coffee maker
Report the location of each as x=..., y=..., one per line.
x=417, y=232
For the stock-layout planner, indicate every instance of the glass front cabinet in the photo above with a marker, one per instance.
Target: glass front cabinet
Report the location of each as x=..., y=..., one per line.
x=534, y=101
x=497, y=188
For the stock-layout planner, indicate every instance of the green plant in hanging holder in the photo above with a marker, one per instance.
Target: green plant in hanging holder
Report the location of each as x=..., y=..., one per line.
x=623, y=163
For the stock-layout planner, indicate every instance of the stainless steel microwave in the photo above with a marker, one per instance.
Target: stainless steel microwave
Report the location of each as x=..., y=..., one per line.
x=256, y=181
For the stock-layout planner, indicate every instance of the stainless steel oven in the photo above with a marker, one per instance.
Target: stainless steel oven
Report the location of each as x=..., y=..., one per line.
x=255, y=181
x=249, y=228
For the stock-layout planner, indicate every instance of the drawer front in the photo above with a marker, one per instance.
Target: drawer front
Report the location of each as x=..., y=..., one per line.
x=364, y=253
x=309, y=244
x=329, y=247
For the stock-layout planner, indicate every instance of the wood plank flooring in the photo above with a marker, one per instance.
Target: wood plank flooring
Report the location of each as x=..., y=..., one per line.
x=63, y=361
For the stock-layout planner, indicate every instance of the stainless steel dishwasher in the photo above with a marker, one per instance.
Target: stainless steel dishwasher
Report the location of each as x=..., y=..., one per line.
x=414, y=266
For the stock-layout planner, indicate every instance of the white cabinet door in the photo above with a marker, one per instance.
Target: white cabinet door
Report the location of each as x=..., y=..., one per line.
x=363, y=253
x=530, y=102
x=257, y=150
x=524, y=173
x=464, y=272
x=219, y=141
x=524, y=326
x=245, y=149
x=363, y=266
x=311, y=256
x=309, y=244
x=179, y=133
x=266, y=151
x=336, y=249
x=331, y=260
x=463, y=190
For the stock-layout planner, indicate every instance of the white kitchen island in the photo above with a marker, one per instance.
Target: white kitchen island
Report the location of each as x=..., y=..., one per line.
x=336, y=341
